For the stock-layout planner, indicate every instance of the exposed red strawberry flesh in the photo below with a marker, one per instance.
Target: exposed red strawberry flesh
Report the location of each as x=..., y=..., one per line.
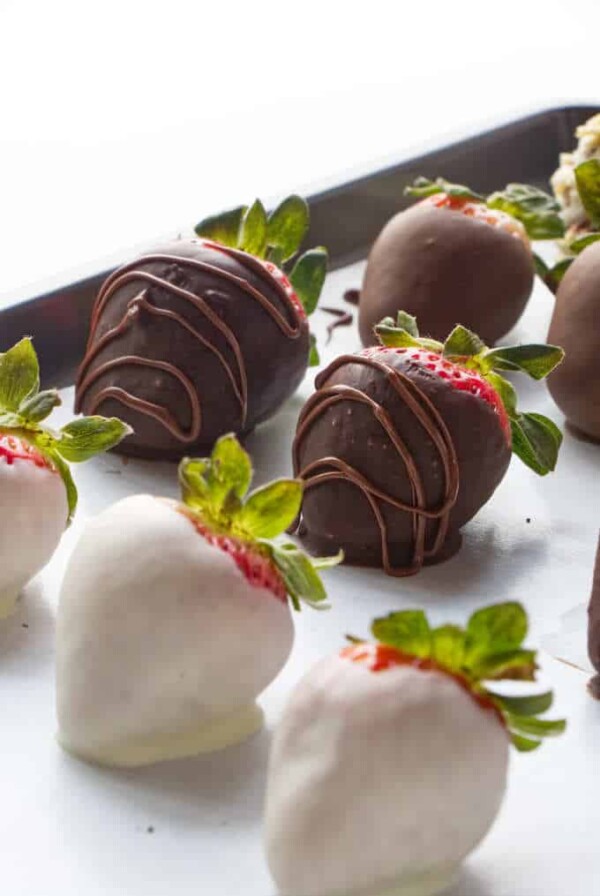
x=381, y=657
x=13, y=448
x=460, y=378
x=255, y=566
x=470, y=208
x=284, y=282
x=276, y=273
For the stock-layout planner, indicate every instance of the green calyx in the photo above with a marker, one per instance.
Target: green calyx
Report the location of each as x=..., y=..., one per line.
x=587, y=178
x=23, y=408
x=538, y=212
x=276, y=237
x=490, y=648
x=215, y=489
x=536, y=440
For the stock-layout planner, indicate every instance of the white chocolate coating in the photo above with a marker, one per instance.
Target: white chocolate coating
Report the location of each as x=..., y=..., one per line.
x=379, y=782
x=563, y=180
x=33, y=504
x=162, y=643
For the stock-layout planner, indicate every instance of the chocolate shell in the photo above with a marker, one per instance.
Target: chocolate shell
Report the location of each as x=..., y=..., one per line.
x=444, y=268
x=575, y=385
x=190, y=341
x=594, y=626
x=395, y=461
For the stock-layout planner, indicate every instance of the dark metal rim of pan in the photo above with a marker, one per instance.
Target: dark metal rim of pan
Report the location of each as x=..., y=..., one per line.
x=524, y=150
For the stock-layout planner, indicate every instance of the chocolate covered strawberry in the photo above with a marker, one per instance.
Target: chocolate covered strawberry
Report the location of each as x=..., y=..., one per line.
x=401, y=444
x=174, y=616
x=457, y=255
x=200, y=337
x=37, y=493
x=389, y=763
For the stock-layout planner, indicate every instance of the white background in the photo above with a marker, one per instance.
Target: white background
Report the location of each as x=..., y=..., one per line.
x=120, y=121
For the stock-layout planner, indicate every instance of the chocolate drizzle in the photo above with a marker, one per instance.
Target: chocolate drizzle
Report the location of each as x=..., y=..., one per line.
x=331, y=468
x=288, y=318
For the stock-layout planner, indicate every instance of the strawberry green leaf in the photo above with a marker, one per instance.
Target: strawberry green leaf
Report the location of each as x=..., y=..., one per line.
x=193, y=480
x=88, y=436
x=223, y=228
x=463, y=342
x=231, y=465
x=308, y=276
x=505, y=390
x=512, y=665
x=19, y=375
x=328, y=562
x=587, y=178
x=537, y=727
x=11, y=420
x=287, y=226
x=524, y=744
x=215, y=486
x=423, y=187
x=275, y=256
x=393, y=336
x=541, y=268
x=313, y=353
x=536, y=210
x=407, y=630
x=537, y=361
x=301, y=579
x=45, y=447
x=495, y=629
x=582, y=242
x=489, y=649
x=530, y=705
x=448, y=646
x=405, y=321
x=39, y=406
x=270, y=509
x=536, y=440
x=253, y=230
x=556, y=273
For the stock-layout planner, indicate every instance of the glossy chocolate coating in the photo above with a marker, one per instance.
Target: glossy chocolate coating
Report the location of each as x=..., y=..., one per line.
x=395, y=461
x=575, y=326
x=446, y=268
x=191, y=341
x=594, y=625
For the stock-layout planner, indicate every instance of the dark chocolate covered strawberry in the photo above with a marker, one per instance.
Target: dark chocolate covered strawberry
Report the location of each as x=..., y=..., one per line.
x=389, y=764
x=174, y=616
x=402, y=443
x=201, y=337
x=457, y=256
x=37, y=493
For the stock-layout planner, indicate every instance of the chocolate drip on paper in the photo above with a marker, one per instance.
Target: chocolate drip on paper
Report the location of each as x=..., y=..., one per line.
x=289, y=323
x=331, y=468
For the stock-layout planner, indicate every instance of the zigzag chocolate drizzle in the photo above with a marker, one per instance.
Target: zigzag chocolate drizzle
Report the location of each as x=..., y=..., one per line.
x=331, y=468
x=289, y=323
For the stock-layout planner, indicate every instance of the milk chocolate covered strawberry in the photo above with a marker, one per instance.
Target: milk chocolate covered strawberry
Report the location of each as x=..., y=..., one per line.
x=37, y=493
x=457, y=256
x=402, y=444
x=389, y=763
x=174, y=616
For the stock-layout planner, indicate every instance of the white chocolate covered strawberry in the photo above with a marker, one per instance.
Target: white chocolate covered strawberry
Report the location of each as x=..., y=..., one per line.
x=389, y=764
x=174, y=617
x=37, y=494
